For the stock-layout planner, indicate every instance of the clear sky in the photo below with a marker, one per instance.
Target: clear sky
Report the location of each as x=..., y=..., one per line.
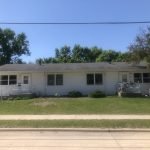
x=45, y=38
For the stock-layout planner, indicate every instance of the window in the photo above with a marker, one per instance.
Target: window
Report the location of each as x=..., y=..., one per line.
x=8, y=80
x=4, y=80
x=59, y=79
x=124, y=78
x=146, y=77
x=90, y=79
x=51, y=80
x=12, y=80
x=25, y=79
x=55, y=79
x=137, y=77
x=94, y=79
x=98, y=79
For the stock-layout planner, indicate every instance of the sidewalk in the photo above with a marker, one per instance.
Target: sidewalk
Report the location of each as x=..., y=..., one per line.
x=73, y=117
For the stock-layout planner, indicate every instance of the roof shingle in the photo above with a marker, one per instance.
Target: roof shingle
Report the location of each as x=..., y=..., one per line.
x=66, y=67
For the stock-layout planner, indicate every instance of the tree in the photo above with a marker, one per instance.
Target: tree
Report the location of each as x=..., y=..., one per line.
x=63, y=54
x=139, y=50
x=80, y=54
x=108, y=56
x=12, y=46
x=95, y=53
x=46, y=60
x=122, y=57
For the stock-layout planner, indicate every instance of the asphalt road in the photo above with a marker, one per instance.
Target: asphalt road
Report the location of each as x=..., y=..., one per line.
x=68, y=140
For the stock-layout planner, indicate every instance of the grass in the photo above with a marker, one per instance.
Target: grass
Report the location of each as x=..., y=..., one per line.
x=108, y=105
x=76, y=124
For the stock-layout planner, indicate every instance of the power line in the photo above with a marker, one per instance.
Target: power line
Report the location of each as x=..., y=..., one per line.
x=76, y=23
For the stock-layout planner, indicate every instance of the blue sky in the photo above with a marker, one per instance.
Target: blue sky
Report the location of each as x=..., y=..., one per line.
x=45, y=38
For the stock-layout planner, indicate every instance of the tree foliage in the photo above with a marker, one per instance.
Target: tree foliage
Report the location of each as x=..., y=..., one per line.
x=12, y=46
x=108, y=56
x=63, y=54
x=79, y=54
x=140, y=49
x=46, y=60
x=95, y=53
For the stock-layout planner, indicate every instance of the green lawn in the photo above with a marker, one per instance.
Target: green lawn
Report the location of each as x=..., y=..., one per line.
x=76, y=124
x=108, y=105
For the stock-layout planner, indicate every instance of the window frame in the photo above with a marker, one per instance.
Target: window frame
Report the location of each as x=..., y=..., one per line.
x=8, y=80
x=94, y=78
x=59, y=81
x=14, y=81
x=25, y=83
x=101, y=80
x=49, y=83
x=136, y=78
x=124, y=77
x=147, y=78
x=56, y=81
x=2, y=81
x=88, y=80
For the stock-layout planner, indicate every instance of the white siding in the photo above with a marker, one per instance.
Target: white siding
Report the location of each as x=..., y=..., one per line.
x=6, y=90
x=73, y=81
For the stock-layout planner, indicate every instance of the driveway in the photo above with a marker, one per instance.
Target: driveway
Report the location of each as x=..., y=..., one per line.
x=69, y=140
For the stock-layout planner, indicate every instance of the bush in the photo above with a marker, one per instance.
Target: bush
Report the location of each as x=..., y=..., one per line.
x=97, y=94
x=131, y=95
x=75, y=94
x=22, y=97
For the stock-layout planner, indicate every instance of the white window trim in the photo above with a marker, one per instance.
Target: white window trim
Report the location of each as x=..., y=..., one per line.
x=23, y=79
x=55, y=74
x=9, y=79
x=141, y=76
x=94, y=73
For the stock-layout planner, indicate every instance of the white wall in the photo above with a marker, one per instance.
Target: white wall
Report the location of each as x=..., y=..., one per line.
x=73, y=81
x=6, y=90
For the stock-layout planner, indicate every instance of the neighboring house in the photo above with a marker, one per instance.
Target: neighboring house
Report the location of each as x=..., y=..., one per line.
x=51, y=79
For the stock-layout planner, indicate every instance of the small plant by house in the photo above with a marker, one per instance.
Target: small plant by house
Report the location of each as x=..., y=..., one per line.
x=132, y=95
x=21, y=97
x=97, y=94
x=74, y=94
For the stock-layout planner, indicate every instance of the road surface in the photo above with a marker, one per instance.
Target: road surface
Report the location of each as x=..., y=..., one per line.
x=68, y=140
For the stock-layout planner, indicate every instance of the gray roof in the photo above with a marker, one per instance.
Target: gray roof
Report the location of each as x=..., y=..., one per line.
x=70, y=67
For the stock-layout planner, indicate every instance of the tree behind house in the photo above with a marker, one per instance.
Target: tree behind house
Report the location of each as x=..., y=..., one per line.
x=12, y=46
x=139, y=50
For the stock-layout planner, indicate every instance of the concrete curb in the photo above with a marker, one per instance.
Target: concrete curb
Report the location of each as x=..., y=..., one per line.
x=74, y=130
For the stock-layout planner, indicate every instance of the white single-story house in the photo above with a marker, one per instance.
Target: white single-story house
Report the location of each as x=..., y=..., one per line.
x=52, y=79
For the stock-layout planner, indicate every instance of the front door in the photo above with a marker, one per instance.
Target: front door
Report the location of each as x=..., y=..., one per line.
x=26, y=83
x=124, y=77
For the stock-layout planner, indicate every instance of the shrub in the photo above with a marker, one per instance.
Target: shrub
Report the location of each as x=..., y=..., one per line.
x=22, y=97
x=97, y=94
x=75, y=94
x=131, y=95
